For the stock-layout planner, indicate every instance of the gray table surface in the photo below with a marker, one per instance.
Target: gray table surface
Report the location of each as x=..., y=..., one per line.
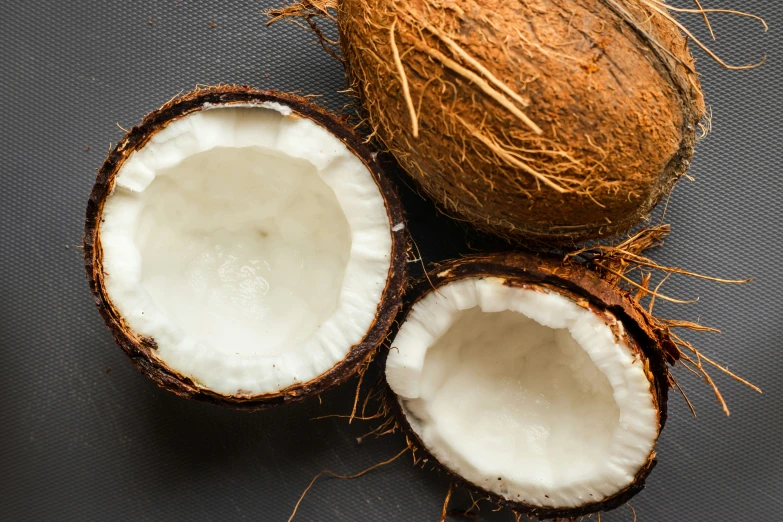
x=84, y=436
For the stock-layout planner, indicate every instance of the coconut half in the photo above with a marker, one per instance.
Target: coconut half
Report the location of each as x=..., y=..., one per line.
x=535, y=383
x=244, y=247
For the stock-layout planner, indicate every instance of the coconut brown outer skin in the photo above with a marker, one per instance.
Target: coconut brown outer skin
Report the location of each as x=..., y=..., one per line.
x=588, y=290
x=598, y=86
x=142, y=349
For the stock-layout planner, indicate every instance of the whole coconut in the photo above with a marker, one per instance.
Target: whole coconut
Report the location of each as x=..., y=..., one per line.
x=555, y=120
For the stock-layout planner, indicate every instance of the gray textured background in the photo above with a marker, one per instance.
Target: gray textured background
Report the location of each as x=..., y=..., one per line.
x=83, y=436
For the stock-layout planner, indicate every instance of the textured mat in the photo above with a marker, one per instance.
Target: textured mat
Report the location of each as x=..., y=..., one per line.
x=84, y=436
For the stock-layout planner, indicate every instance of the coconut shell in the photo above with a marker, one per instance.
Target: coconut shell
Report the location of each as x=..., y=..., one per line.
x=588, y=290
x=555, y=120
x=142, y=349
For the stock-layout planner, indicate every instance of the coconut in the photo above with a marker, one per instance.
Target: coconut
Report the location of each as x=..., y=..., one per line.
x=532, y=382
x=244, y=247
x=554, y=120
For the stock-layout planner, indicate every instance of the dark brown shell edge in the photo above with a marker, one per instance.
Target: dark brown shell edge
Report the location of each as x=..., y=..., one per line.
x=140, y=349
x=693, y=113
x=587, y=289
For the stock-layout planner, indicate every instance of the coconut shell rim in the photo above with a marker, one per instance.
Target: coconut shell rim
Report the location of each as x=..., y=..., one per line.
x=141, y=349
x=529, y=269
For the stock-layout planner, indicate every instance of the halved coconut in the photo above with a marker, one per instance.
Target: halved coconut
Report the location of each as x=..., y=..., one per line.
x=533, y=382
x=244, y=247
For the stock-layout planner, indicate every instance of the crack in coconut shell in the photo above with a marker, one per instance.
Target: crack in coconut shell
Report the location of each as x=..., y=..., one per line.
x=590, y=291
x=142, y=349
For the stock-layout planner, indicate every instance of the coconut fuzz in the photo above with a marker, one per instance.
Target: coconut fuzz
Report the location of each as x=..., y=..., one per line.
x=549, y=119
x=532, y=382
x=244, y=247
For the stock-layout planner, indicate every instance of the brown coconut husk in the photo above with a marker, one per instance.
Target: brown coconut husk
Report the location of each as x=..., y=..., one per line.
x=615, y=263
x=556, y=120
x=343, y=477
x=142, y=349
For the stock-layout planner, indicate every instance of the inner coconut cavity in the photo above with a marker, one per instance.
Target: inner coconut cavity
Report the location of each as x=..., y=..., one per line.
x=524, y=393
x=250, y=244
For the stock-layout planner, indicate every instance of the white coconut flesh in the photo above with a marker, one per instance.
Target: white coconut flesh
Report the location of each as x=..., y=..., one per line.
x=523, y=393
x=251, y=244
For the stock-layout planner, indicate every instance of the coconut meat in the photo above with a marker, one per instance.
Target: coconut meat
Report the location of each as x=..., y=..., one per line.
x=523, y=392
x=250, y=244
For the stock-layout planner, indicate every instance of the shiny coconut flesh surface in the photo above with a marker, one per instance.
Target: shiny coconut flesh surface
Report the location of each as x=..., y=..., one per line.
x=523, y=393
x=250, y=244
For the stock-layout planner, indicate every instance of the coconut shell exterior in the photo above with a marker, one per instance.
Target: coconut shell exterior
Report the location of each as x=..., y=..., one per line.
x=588, y=290
x=142, y=349
x=610, y=84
